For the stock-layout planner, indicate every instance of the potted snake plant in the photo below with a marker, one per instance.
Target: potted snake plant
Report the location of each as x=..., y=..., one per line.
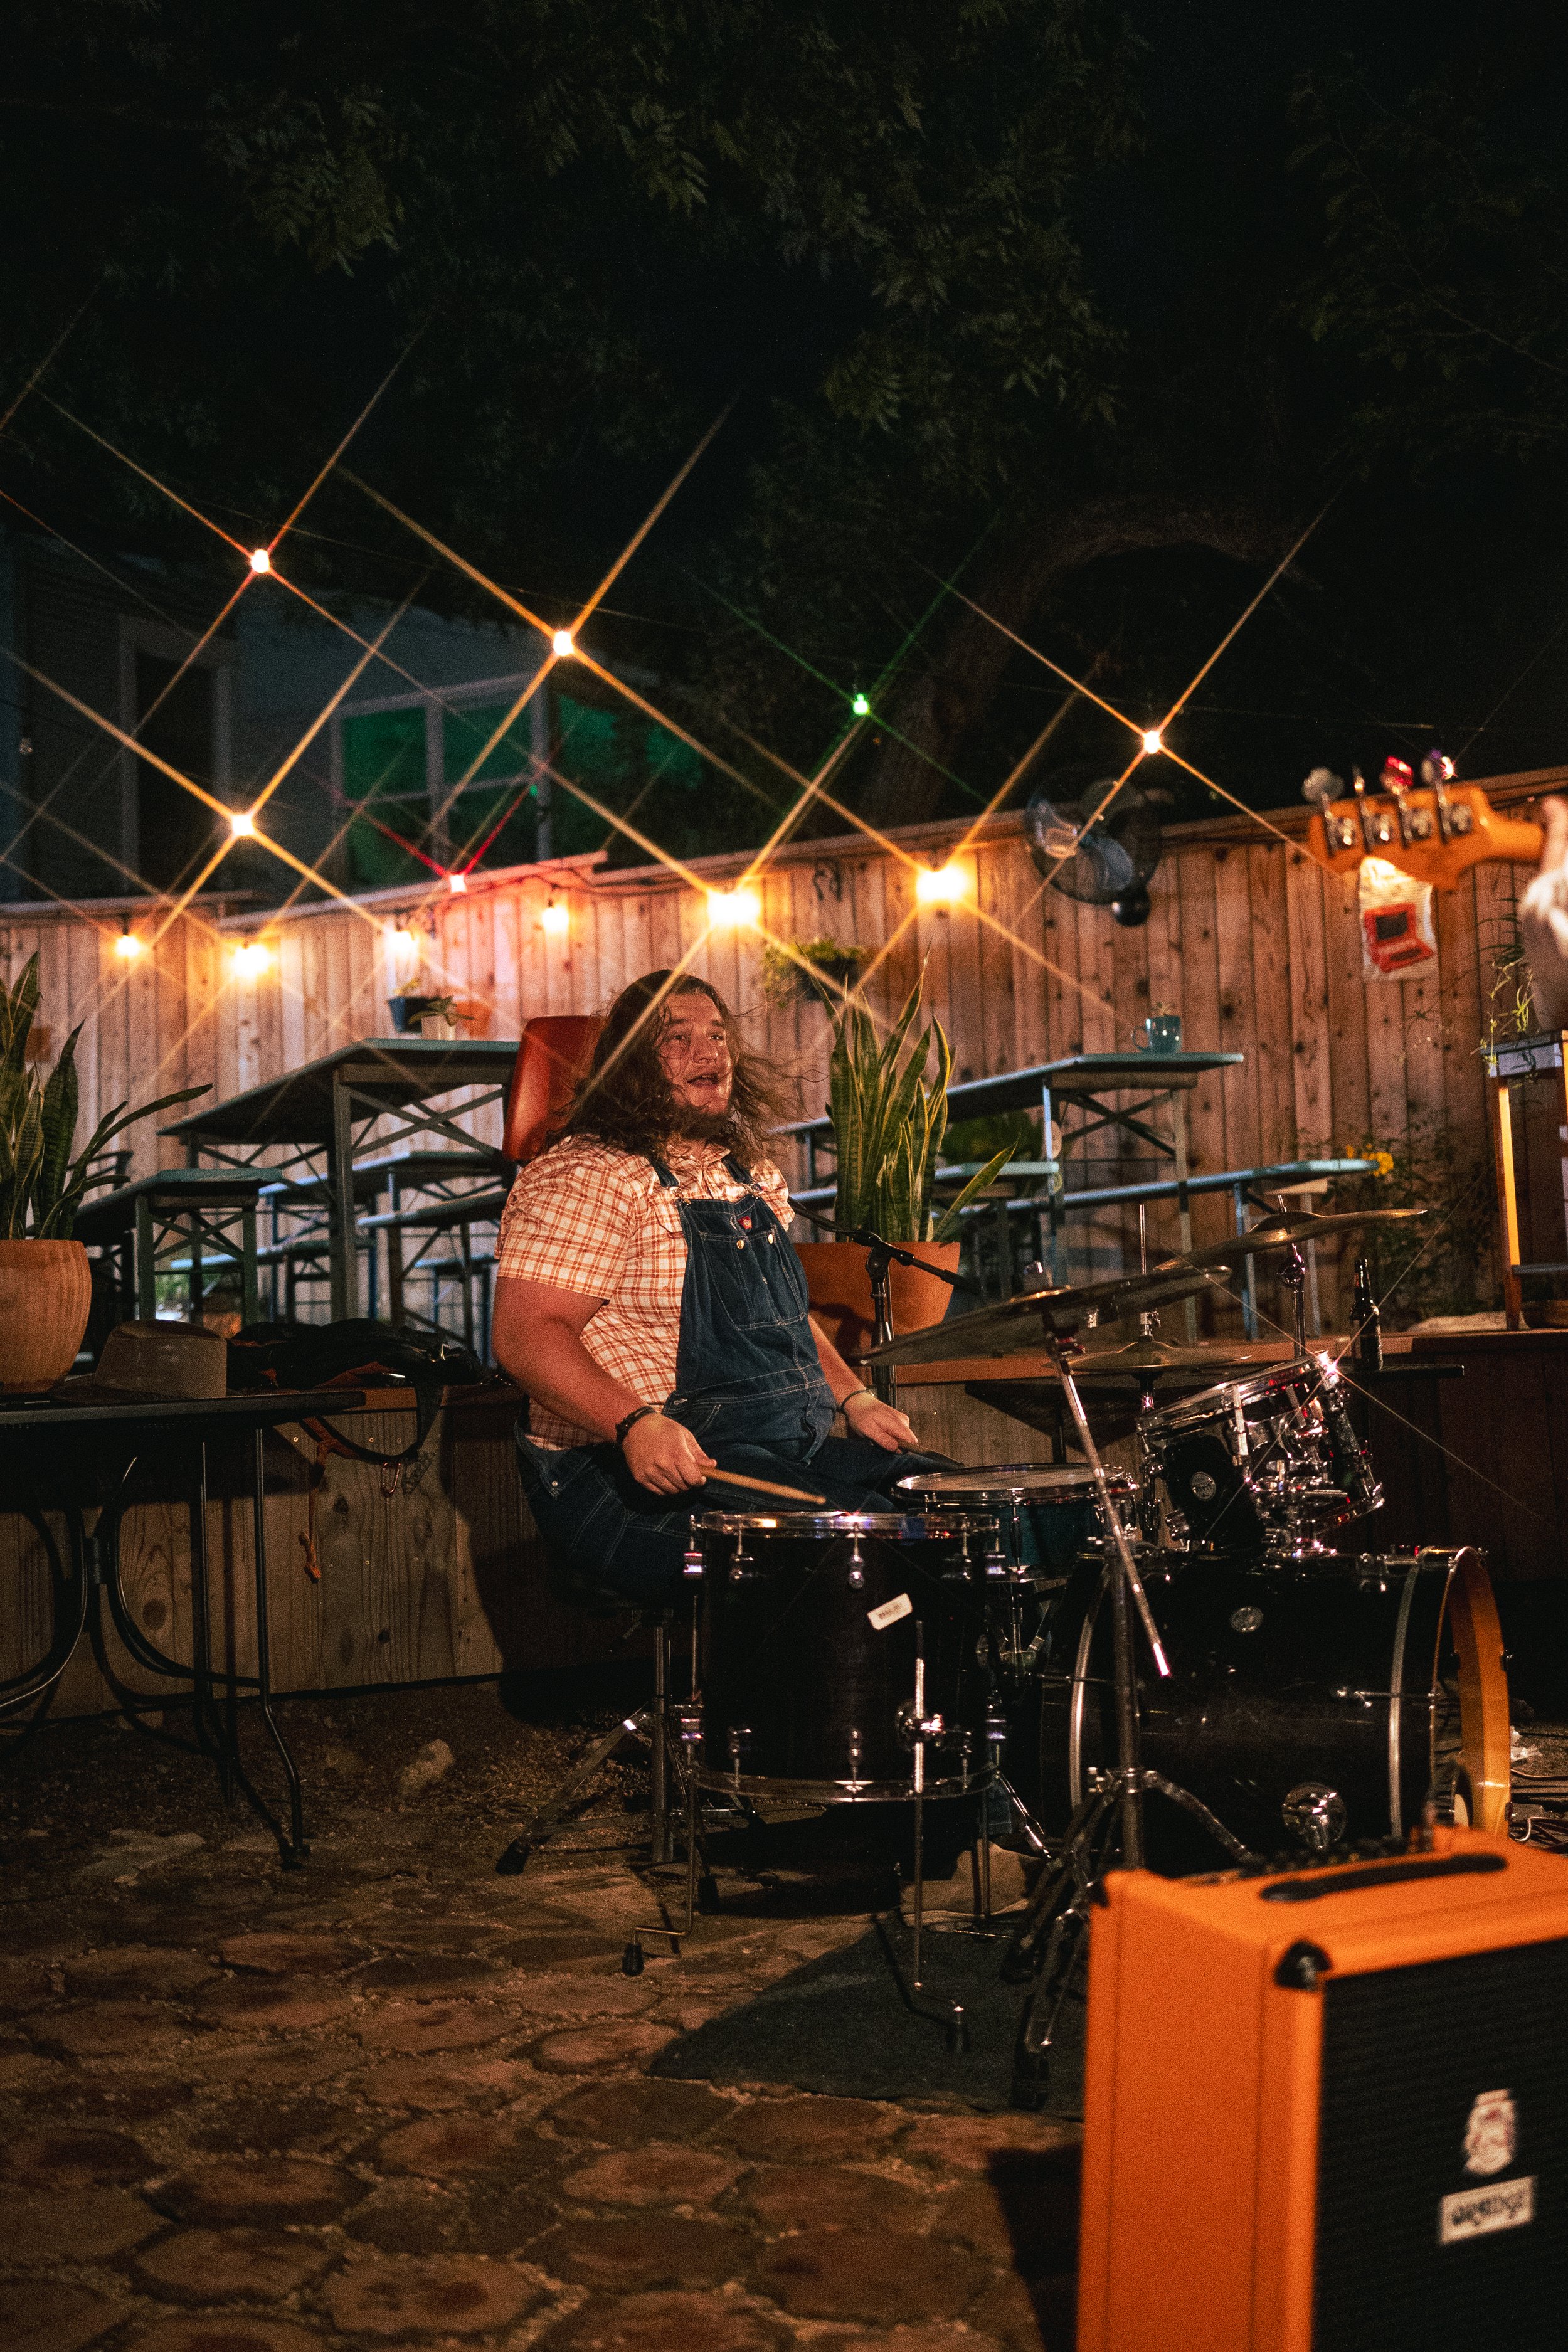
x=888, y=1121
x=46, y=1286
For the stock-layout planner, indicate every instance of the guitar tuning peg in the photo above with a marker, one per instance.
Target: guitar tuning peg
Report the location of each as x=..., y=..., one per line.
x=1322, y=786
x=1358, y=783
x=1397, y=776
x=1437, y=768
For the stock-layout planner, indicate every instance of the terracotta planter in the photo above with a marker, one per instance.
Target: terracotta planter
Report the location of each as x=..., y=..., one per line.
x=840, y=1290
x=46, y=1291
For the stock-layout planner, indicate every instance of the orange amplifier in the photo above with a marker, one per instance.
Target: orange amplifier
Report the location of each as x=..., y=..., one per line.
x=1329, y=2110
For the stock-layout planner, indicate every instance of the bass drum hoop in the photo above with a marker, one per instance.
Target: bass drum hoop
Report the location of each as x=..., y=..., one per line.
x=760, y=1786
x=1468, y=1607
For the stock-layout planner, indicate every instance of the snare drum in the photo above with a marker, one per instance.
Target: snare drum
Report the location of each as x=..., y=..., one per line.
x=1046, y=1513
x=1269, y=1463
x=808, y=1654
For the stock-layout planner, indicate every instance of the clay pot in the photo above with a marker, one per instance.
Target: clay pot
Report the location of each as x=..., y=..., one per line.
x=840, y=1290
x=45, y=1292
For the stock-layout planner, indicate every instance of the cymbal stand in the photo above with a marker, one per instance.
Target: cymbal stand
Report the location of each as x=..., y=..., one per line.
x=1050, y=1938
x=1293, y=1277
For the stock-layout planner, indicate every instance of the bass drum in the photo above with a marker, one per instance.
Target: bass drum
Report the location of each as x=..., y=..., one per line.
x=1308, y=1703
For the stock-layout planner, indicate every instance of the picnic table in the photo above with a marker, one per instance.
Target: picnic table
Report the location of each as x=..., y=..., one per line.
x=323, y=1116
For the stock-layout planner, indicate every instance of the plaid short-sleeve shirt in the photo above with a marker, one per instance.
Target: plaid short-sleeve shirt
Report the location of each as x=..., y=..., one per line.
x=588, y=1217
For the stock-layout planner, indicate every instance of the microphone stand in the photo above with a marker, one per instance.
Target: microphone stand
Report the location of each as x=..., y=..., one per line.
x=879, y=1255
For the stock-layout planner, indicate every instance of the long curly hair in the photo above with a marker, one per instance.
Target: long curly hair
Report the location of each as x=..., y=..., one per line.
x=626, y=1100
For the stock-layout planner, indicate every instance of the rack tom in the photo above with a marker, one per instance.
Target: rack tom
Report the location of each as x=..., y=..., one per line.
x=809, y=1631
x=1266, y=1463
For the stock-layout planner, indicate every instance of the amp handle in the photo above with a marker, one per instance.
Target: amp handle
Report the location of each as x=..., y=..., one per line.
x=1386, y=1873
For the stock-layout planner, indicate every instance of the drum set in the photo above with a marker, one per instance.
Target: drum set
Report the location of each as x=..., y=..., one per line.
x=1063, y=1642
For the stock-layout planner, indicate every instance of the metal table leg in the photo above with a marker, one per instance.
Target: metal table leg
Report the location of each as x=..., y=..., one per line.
x=146, y=1268
x=1184, y=1206
x=344, y=1249
x=249, y=1281
x=296, y=1849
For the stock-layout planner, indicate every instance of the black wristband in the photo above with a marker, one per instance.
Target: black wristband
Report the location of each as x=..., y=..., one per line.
x=641, y=1414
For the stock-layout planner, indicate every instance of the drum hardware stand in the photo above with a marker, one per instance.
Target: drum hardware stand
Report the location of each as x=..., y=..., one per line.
x=918, y=1728
x=700, y=1891
x=1050, y=1939
x=1294, y=1275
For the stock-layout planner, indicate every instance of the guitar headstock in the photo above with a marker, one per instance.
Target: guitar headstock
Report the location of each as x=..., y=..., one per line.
x=1434, y=834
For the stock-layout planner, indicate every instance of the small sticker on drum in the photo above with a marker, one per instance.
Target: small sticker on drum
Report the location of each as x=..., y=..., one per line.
x=889, y=1612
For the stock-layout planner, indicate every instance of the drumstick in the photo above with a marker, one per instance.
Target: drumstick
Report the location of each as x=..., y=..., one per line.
x=762, y=1487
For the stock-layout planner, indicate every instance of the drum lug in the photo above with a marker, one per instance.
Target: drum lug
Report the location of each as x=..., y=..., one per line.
x=1317, y=1815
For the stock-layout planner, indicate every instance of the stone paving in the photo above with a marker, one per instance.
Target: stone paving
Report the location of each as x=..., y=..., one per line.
x=392, y=2101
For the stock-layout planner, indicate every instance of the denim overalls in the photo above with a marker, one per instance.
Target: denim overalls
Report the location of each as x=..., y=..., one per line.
x=747, y=1385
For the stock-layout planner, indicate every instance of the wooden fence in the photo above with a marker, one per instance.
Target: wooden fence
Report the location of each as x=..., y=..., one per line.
x=1256, y=947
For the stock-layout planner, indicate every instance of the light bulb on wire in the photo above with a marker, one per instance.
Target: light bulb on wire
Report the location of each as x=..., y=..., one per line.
x=561, y=645
x=128, y=947
x=556, y=918
x=1153, y=742
x=260, y=561
x=242, y=824
x=861, y=707
x=732, y=909
x=941, y=885
x=251, y=959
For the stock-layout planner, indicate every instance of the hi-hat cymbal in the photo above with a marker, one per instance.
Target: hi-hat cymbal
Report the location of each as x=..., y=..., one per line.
x=1017, y=1324
x=1300, y=1227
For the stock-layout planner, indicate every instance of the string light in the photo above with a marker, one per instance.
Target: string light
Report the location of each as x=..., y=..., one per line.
x=1153, y=742
x=727, y=909
x=260, y=561
x=242, y=824
x=251, y=959
x=860, y=707
x=128, y=947
x=458, y=883
x=562, y=646
x=557, y=920
x=941, y=885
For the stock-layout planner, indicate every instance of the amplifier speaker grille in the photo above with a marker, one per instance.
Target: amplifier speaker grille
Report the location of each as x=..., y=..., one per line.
x=1406, y=2051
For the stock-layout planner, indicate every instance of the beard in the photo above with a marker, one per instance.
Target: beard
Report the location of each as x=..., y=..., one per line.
x=707, y=1125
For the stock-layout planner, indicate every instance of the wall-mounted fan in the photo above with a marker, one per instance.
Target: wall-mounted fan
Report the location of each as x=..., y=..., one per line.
x=1101, y=861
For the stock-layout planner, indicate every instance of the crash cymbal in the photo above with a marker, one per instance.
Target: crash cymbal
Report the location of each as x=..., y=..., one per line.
x=1278, y=1233
x=1023, y=1322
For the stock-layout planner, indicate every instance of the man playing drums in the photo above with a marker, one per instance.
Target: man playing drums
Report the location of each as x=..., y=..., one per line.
x=649, y=1302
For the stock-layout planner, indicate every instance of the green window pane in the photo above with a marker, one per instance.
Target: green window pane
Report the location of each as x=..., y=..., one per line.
x=375, y=859
x=466, y=732
x=473, y=823
x=384, y=751
x=592, y=747
x=670, y=762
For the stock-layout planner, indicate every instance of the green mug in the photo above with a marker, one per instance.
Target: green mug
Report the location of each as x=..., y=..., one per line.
x=1160, y=1034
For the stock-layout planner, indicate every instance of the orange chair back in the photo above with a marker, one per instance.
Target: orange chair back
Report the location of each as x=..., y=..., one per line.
x=552, y=1057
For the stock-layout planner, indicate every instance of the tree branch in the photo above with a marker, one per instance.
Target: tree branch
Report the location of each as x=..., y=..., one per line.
x=936, y=712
